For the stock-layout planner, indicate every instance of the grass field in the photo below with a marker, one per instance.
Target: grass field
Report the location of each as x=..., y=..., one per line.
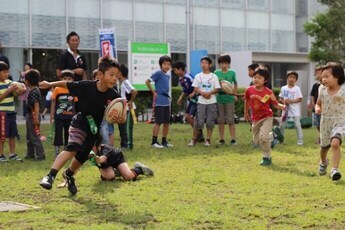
x=193, y=188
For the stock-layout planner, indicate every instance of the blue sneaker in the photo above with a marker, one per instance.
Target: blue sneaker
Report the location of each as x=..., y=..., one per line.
x=266, y=161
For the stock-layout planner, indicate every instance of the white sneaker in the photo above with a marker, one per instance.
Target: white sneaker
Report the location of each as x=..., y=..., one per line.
x=207, y=143
x=192, y=143
x=335, y=174
x=300, y=142
x=157, y=146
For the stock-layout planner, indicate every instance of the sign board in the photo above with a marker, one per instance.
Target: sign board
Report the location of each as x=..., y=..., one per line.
x=195, y=56
x=143, y=61
x=107, y=43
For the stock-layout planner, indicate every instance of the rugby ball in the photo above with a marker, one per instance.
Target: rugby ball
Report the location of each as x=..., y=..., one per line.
x=117, y=107
x=227, y=87
x=21, y=88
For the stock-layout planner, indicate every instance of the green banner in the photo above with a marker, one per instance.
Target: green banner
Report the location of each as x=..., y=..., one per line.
x=149, y=48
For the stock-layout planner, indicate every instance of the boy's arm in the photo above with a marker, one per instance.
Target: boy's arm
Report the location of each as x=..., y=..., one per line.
x=101, y=159
x=47, y=85
x=8, y=91
x=246, y=108
x=52, y=110
x=275, y=102
x=179, y=101
x=318, y=106
x=293, y=101
x=148, y=84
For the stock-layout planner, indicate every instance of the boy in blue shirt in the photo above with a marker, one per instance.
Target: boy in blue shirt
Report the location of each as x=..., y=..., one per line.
x=161, y=78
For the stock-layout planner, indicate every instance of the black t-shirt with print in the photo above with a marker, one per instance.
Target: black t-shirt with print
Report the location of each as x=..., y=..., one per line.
x=33, y=97
x=67, y=61
x=90, y=100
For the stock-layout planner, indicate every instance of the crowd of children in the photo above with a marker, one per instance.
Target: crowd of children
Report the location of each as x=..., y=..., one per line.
x=78, y=131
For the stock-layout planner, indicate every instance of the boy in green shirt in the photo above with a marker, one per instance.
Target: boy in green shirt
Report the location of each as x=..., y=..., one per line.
x=226, y=102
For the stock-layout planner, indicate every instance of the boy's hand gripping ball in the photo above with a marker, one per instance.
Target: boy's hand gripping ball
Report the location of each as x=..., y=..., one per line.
x=116, y=111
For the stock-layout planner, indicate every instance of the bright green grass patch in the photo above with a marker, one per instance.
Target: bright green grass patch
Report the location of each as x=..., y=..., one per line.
x=193, y=188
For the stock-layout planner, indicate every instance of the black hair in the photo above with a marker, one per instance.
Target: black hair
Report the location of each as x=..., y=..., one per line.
x=67, y=73
x=28, y=64
x=5, y=59
x=71, y=34
x=163, y=59
x=33, y=77
x=206, y=58
x=106, y=63
x=292, y=73
x=337, y=71
x=224, y=58
x=179, y=65
x=253, y=66
x=263, y=72
x=3, y=66
x=124, y=70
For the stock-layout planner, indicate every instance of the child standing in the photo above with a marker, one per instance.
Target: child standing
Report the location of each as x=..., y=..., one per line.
x=129, y=93
x=291, y=96
x=206, y=84
x=314, y=94
x=331, y=106
x=8, y=124
x=226, y=102
x=259, y=98
x=33, y=140
x=61, y=112
x=93, y=97
x=161, y=78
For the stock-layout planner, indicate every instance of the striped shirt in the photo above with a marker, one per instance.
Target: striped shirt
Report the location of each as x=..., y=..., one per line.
x=7, y=104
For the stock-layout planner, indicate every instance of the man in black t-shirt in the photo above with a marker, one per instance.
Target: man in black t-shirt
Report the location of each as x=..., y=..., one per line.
x=72, y=59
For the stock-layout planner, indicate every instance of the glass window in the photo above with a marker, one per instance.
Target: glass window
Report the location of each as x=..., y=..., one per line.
x=48, y=23
x=259, y=5
x=283, y=22
x=282, y=41
x=206, y=3
x=14, y=26
x=233, y=18
x=176, y=36
x=233, y=39
x=283, y=6
x=258, y=40
x=256, y=20
x=234, y=4
x=207, y=37
x=84, y=18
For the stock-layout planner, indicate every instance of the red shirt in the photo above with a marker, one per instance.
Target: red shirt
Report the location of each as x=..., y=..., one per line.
x=259, y=102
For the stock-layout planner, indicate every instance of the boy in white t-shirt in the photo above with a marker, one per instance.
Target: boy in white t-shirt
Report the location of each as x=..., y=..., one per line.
x=206, y=85
x=291, y=96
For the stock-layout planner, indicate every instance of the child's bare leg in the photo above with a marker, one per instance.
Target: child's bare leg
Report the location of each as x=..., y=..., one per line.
x=209, y=133
x=2, y=147
x=335, y=144
x=232, y=132
x=62, y=159
x=107, y=173
x=12, y=144
x=323, y=155
x=126, y=172
x=165, y=129
x=221, y=131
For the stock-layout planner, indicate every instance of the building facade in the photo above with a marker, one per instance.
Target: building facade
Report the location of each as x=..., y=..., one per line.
x=35, y=30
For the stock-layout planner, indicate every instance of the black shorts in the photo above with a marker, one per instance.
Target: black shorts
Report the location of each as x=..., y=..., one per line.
x=162, y=115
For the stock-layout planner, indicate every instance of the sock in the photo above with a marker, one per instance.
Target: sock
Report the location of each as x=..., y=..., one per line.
x=12, y=154
x=334, y=169
x=137, y=171
x=154, y=139
x=53, y=172
x=69, y=172
x=208, y=140
x=164, y=140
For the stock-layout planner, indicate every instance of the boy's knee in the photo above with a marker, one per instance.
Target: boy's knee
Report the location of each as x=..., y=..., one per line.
x=336, y=141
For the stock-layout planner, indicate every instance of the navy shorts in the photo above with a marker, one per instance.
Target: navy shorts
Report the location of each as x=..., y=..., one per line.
x=10, y=130
x=191, y=109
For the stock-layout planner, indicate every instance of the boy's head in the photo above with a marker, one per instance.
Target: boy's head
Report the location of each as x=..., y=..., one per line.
x=206, y=63
x=263, y=73
x=318, y=73
x=67, y=75
x=207, y=59
x=27, y=66
x=32, y=77
x=165, y=63
x=336, y=70
x=73, y=40
x=108, y=70
x=224, y=58
x=3, y=71
x=251, y=69
x=5, y=59
x=292, y=74
x=124, y=71
x=179, y=68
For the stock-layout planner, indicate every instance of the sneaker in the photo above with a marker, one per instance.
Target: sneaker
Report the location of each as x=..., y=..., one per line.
x=47, y=182
x=157, y=146
x=274, y=141
x=3, y=158
x=233, y=142
x=300, y=142
x=167, y=145
x=15, y=157
x=322, y=169
x=221, y=142
x=280, y=136
x=72, y=188
x=266, y=161
x=192, y=143
x=146, y=170
x=207, y=143
x=335, y=175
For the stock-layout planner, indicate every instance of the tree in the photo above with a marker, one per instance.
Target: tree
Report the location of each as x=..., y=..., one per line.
x=328, y=31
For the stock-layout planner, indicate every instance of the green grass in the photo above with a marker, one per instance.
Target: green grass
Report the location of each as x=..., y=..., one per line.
x=193, y=188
